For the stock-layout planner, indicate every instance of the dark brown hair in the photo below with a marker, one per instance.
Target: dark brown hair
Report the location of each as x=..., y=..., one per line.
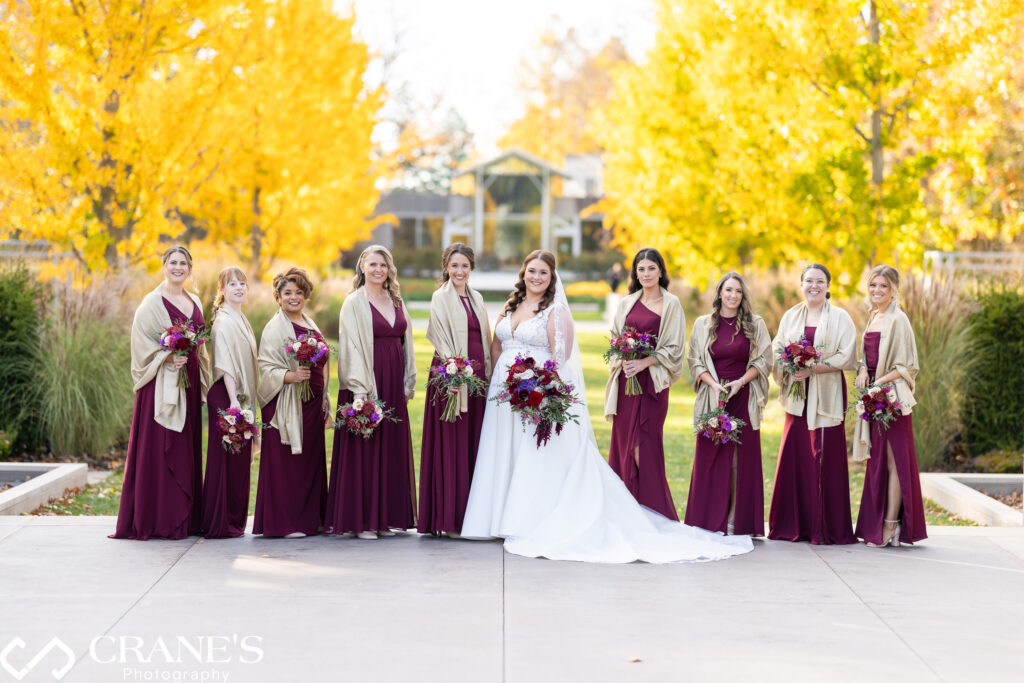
x=518, y=294
x=828, y=275
x=295, y=275
x=745, y=315
x=647, y=254
x=451, y=250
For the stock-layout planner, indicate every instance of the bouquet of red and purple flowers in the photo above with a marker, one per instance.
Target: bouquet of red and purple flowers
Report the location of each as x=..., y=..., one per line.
x=309, y=349
x=796, y=356
x=237, y=426
x=878, y=404
x=539, y=395
x=718, y=425
x=180, y=339
x=631, y=344
x=448, y=378
x=363, y=417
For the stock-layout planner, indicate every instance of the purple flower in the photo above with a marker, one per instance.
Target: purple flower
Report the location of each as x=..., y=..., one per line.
x=351, y=413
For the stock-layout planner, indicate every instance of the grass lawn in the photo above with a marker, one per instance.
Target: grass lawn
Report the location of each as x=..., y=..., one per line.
x=102, y=499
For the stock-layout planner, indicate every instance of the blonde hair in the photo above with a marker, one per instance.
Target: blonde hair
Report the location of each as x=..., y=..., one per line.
x=391, y=285
x=179, y=249
x=891, y=275
x=225, y=276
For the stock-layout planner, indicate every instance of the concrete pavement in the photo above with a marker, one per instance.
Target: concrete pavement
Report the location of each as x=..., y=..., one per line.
x=423, y=609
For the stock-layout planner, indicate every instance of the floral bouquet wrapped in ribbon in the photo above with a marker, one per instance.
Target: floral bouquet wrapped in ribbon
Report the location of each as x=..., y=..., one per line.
x=631, y=345
x=309, y=349
x=363, y=417
x=448, y=380
x=180, y=339
x=540, y=397
x=878, y=404
x=718, y=425
x=796, y=356
x=237, y=427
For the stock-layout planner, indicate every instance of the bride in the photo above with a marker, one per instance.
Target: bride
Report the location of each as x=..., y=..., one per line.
x=562, y=501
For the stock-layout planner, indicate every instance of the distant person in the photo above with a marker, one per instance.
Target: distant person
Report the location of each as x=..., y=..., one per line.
x=163, y=474
x=458, y=327
x=615, y=275
x=891, y=508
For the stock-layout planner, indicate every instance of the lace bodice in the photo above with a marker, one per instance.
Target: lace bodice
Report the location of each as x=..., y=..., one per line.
x=532, y=334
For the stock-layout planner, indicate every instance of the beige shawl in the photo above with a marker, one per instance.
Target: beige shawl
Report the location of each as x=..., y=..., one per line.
x=448, y=328
x=149, y=361
x=355, y=347
x=273, y=363
x=669, y=350
x=700, y=361
x=836, y=336
x=897, y=350
x=233, y=350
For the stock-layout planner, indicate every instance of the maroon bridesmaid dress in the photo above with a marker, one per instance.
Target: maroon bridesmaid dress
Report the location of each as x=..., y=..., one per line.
x=163, y=474
x=711, y=482
x=292, y=487
x=811, y=497
x=448, y=449
x=639, y=423
x=226, y=486
x=900, y=437
x=372, y=483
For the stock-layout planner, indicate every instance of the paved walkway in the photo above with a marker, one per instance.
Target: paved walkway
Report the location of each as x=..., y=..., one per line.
x=416, y=609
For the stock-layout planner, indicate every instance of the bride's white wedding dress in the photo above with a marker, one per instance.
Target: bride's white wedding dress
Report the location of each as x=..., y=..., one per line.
x=562, y=501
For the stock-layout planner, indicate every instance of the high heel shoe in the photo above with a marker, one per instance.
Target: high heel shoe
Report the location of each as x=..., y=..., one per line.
x=893, y=540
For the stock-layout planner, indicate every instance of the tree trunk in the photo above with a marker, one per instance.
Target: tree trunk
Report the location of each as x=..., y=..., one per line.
x=877, y=149
x=255, y=238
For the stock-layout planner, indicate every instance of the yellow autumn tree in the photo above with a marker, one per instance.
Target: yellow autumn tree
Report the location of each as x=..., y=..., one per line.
x=105, y=121
x=298, y=184
x=779, y=131
x=562, y=84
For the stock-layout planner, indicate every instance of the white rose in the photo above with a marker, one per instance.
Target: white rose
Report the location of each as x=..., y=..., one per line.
x=713, y=423
x=311, y=341
x=247, y=435
x=247, y=414
x=231, y=430
x=357, y=404
x=295, y=346
x=468, y=371
x=631, y=343
x=451, y=368
x=873, y=391
x=527, y=374
x=230, y=418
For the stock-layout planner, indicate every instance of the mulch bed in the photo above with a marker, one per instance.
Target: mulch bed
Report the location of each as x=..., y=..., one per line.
x=1014, y=500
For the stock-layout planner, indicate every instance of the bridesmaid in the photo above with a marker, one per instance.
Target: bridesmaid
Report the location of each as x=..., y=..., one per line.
x=637, y=452
x=730, y=353
x=811, y=498
x=373, y=489
x=292, y=488
x=891, y=509
x=458, y=327
x=233, y=352
x=162, y=493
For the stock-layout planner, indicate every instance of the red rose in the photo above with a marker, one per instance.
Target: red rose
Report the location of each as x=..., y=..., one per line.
x=535, y=398
x=516, y=369
x=352, y=423
x=529, y=362
x=368, y=409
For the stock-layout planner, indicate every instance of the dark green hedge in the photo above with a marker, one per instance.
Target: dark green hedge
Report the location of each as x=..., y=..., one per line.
x=21, y=325
x=994, y=393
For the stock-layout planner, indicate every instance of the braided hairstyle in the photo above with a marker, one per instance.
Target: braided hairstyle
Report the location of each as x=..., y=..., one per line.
x=227, y=275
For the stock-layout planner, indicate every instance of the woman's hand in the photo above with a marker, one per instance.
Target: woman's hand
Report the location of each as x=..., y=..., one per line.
x=801, y=375
x=328, y=418
x=235, y=403
x=296, y=376
x=733, y=388
x=359, y=397
x=635, y=367
x=862, y=378
x=177, y=361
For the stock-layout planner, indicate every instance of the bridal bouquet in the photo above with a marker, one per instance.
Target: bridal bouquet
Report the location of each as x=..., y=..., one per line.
x=718, y=425
x=363, y=417
x=539, y=395
x=878, y=404
x=309, y=349
x=237, y=427
x=796, y=356
x=449, y=378
x=631, y=344
x=180, y=339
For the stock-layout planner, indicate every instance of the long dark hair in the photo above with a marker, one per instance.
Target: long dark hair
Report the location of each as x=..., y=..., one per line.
x=745, y=314
x=818, y=266
x=647, y=254
x=518, y=294
x=453, y=249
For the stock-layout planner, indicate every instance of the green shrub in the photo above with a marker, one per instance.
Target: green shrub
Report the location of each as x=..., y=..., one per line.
x=86, y=384
x=994, y=408
x=940, y=317
x=20, y=325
